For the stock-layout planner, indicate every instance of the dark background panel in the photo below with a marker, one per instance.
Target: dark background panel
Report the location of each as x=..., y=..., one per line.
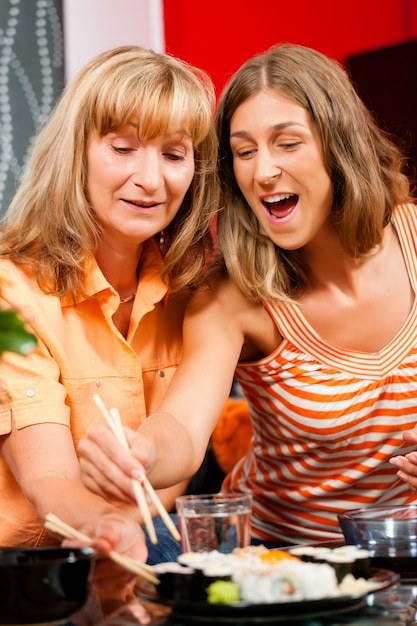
x=31, y=77
x=386, y=80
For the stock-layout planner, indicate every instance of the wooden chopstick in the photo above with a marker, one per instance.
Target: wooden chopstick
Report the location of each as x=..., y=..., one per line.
x=56, y=525
x=146, y=483
x=160, y=508
x=113, y=418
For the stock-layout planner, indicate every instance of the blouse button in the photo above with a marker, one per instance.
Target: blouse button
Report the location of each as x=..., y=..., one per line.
x=161, y=373
x=30, y=393
x=98, y=383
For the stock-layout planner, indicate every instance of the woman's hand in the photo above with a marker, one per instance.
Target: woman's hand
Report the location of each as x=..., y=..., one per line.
x=107, y=468
x=117, y=532
x=137, y=611
x=407, y=464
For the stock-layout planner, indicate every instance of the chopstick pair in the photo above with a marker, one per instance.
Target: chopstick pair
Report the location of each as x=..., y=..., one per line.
x=56, y=525
x=112, y=417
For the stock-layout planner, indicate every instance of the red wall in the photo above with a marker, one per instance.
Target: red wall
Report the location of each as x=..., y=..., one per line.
x=218, y=35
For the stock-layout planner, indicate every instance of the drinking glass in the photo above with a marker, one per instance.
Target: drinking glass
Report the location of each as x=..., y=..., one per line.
x=216, y=521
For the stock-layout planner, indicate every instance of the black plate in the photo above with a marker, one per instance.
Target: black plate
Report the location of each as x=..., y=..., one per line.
x=406, y=566
x=202, y=611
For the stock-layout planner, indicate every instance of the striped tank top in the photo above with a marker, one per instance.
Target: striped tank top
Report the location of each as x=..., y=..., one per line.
x=326, y=421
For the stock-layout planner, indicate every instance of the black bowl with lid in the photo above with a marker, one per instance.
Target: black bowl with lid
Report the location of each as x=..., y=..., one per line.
x=41, y=585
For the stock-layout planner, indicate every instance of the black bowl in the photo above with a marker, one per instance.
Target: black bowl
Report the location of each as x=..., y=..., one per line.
x=389, y=533
x=39, y=585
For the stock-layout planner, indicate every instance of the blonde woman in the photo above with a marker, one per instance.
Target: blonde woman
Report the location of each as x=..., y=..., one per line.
x=100, y=249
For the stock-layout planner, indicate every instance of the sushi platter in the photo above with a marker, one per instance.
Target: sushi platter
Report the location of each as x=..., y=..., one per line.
x=265, y=584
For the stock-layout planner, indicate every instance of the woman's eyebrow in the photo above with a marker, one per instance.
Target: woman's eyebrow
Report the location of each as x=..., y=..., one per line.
x=275, y=127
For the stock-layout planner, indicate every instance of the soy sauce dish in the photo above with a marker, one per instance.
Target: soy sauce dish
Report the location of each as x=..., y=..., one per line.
x=41, y=585
x=389, y=533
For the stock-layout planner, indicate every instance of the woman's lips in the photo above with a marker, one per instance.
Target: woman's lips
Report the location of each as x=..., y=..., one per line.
x=280, y=205
x=142, y=205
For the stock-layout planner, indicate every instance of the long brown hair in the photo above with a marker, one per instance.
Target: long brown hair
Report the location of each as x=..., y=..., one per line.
x=363, y=164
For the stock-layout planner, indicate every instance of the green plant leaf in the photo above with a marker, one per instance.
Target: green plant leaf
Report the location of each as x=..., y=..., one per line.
x=13, y=336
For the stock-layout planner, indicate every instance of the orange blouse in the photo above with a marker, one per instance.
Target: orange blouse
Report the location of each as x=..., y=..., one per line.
x=80, y=353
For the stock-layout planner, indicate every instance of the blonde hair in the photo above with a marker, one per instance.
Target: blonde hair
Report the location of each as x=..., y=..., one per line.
x=50, y=225
x=363, y=164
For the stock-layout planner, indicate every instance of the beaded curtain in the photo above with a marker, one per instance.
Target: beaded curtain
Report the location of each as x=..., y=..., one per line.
x=31, y=78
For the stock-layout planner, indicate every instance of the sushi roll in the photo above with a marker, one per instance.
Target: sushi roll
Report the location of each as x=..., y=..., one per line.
x=320, y=554
x=176, y=582
x=362, y=564
x=276, y=555
x=289, y=581
x=211, y=573
x=342, y=564
x=263, y=587
x=305, y=553
x=266, y=576
x=196, y=560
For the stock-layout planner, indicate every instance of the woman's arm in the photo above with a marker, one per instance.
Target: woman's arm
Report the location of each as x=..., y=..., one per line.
x=43, y=461
x=171, y=443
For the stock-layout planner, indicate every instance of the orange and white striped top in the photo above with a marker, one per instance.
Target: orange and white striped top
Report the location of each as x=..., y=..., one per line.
x=326, y=421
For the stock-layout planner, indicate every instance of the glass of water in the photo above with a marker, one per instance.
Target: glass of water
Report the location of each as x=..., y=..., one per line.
x=219, y=521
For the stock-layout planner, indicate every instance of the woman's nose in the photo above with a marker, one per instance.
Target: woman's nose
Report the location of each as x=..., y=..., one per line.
x=267, y=167
x=147, y=170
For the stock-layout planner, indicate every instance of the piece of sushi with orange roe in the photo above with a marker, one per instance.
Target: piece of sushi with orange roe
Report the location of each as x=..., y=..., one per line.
x=275, y=555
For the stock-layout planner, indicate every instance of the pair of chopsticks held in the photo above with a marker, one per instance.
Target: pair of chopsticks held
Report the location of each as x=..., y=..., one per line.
x=142, y=486
x=56, y=525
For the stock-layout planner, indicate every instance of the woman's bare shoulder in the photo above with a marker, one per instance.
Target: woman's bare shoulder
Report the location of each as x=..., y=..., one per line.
x=220, y=291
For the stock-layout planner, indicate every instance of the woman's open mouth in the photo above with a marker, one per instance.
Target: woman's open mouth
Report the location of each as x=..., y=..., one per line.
x=280, y=205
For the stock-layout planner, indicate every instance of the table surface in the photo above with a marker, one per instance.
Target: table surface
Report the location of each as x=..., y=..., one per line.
x=396, y=606
x=389, y=608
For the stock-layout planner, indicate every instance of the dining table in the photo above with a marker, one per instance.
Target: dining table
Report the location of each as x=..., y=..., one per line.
x=394, y=606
